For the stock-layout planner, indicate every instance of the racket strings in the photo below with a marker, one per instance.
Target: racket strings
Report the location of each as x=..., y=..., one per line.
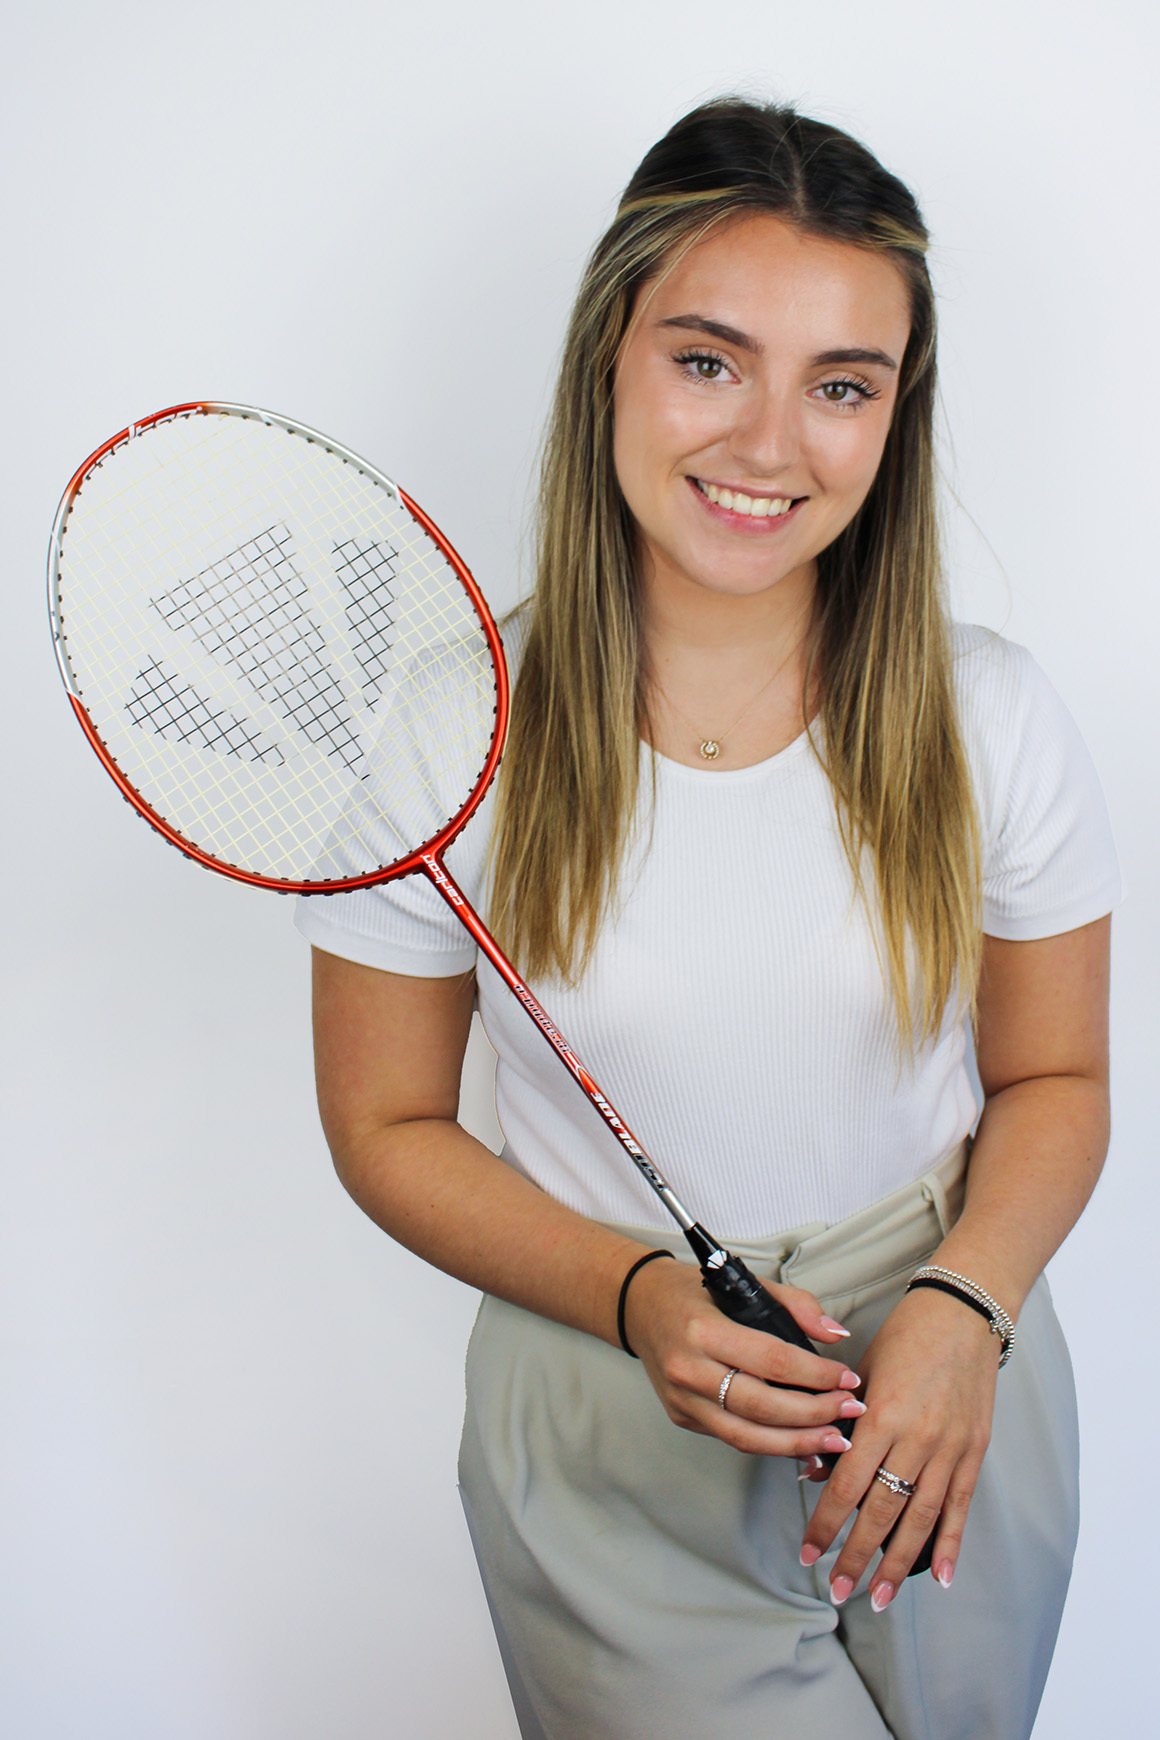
x=160, y=702
x=275, y=654
x=251, y=610
x=365, y=571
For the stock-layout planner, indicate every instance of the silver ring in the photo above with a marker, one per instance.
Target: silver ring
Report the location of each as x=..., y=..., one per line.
x=904, y=1488
x=723, y=1391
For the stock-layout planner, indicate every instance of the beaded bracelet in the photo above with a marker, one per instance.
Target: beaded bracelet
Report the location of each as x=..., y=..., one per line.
x=959, y=1287
x=623, y=1301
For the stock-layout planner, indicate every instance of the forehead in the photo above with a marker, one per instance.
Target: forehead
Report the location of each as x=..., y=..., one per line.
x=778, y=283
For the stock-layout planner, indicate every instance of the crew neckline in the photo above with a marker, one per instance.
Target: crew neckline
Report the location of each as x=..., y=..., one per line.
x=730, y=775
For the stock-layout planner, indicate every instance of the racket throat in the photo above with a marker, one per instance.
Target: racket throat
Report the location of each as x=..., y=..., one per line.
x=735, y=1289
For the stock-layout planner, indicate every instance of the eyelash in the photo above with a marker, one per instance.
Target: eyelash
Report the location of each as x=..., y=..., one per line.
x=687, y=360
x=863, y=388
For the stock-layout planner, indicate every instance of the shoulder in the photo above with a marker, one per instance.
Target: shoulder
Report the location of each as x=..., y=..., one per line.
x=514, y=629
x=1049, y=858
x=1007, y=707
x=988, y=668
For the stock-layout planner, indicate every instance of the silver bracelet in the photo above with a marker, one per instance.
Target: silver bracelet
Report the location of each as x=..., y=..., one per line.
x=947, y=1281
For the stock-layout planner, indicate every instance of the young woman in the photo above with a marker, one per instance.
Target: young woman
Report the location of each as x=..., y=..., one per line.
x=767, y=834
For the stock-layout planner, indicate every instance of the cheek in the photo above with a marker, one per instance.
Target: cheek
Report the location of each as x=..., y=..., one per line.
x=846, y=458
x=656, y=428
x=642, y=448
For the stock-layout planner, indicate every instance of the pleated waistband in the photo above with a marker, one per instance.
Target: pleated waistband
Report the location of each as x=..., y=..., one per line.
x=833, y=1259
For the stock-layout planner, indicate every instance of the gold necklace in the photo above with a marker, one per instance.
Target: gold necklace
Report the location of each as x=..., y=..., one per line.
x=710, y=747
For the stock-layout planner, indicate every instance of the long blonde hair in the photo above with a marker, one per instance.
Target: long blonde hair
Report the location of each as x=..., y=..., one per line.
x=886, y=730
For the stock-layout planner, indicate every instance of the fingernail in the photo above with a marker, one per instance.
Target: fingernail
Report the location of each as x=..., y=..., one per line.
x=852, y=1409
x=810, y=1554
x=834, y=1328
x=840, y=1590
x=835, y=1441
x=849, y=1380
x=813, y=1463
x=945, y=1573
x=881, y=1596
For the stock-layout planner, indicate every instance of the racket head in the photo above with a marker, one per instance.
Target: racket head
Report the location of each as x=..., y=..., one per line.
x=278, y=657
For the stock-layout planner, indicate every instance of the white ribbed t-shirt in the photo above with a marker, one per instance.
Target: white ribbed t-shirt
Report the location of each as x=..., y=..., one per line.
x=734, y=1010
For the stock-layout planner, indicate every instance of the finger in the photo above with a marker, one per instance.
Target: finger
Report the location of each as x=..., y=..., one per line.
x=906, y=1521
x=766, y=1405
x=777, y=1362
x=790, y=1441
x=807, y=1313
x=713, y=1346
x=790, y=1424
x=916, y=1524
x=952, y=1521
x=846, y=1487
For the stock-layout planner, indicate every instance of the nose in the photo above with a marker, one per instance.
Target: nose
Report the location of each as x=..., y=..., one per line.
x=767, y=437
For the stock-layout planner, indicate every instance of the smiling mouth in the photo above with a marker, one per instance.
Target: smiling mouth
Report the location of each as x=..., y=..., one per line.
x=758, y=507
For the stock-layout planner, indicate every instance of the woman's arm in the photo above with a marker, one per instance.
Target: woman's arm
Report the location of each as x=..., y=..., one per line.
x=389, y=1051
x=931, y=1370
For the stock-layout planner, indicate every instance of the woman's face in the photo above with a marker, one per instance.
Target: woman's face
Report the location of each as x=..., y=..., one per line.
x=752, y=403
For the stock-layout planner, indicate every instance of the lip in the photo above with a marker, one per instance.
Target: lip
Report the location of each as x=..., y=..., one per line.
x=754, y=528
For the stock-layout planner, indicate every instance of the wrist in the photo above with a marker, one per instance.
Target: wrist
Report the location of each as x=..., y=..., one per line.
x=634, y=1271
x=983, y=1263
x=964, y=1291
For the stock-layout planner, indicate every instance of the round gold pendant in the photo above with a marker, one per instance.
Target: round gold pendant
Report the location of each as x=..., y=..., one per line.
x=710, y=750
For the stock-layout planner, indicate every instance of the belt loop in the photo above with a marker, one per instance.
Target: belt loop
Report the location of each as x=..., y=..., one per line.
x=952, y=1167
x=934, y=1193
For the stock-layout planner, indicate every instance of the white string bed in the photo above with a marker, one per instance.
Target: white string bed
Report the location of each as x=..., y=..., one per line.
x=277, y=656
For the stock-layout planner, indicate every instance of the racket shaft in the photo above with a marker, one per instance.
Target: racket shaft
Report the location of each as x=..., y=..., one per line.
x=732, y=1286
x=470, y=919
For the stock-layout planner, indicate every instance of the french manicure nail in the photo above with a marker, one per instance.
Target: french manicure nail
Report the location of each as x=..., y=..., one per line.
x=840, y=1590
x=834, y=1328
x=813, y=1463
x=851, y=1410
x=849, y=1380
x=835, y=1441
x=881, y=1596
x=810, y=1554
x=945, y=1573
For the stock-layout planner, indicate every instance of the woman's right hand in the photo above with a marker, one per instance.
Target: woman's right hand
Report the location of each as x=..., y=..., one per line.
x=687, y=1346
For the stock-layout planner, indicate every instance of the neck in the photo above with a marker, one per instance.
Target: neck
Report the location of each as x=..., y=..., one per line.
x=725, y=672
x=680, y=618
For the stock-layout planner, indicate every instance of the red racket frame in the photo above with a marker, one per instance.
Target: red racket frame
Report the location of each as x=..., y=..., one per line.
x=735, y=1290
x=428, y=858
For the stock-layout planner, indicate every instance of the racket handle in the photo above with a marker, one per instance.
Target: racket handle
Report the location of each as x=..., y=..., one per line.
x=736, y=1291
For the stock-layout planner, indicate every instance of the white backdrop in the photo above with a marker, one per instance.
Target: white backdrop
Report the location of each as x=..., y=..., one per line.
x=230, y=1406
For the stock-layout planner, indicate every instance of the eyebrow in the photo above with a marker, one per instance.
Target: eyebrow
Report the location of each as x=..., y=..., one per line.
x=743, y=341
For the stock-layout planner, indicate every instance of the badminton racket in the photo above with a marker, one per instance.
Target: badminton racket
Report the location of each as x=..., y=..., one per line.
x=291, y=675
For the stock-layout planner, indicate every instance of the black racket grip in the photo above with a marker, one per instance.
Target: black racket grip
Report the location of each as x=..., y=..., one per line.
x=736, y=1291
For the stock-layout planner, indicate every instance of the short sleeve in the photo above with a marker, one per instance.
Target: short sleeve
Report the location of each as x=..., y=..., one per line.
x=1049, y=860
x=404, y=926
x=418, y=773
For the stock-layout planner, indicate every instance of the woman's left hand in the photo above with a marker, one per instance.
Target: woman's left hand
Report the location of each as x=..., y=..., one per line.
x=929, y=1385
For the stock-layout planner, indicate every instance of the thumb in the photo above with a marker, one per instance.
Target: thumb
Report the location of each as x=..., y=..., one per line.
x=808, y=1314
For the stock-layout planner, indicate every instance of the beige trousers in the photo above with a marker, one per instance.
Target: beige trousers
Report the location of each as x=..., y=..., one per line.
x=644, y=1581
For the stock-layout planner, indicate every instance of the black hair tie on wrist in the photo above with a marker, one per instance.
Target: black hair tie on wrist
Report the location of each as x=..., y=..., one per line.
x=639, y=1264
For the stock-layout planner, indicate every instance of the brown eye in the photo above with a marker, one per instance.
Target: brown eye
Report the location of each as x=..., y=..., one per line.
x=847, y=395
x=702, y=365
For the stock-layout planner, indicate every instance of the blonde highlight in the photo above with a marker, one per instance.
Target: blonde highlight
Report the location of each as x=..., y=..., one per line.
x=887, y=730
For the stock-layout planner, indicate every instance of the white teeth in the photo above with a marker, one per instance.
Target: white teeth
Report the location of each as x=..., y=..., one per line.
x=759, y=507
